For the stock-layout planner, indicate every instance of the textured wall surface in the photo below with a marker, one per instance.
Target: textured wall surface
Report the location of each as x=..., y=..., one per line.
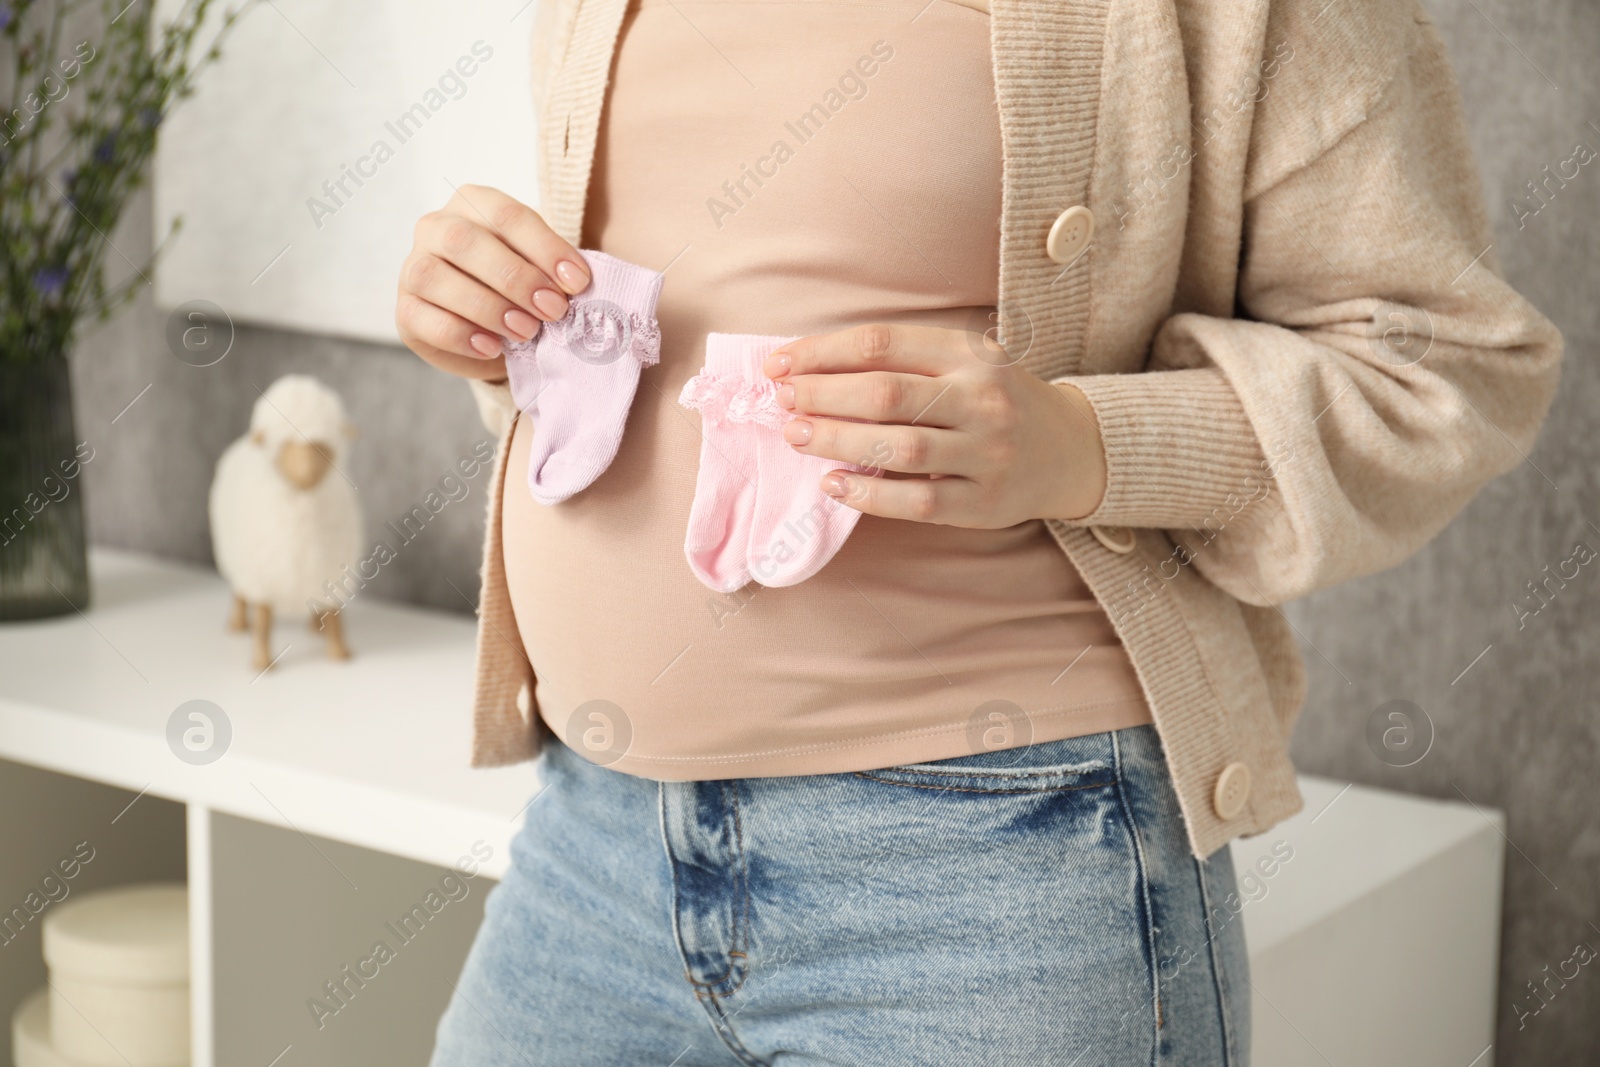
x=1510, y=694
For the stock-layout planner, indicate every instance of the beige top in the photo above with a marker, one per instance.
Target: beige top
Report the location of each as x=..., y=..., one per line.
x=1291, y=324
x=848, y=180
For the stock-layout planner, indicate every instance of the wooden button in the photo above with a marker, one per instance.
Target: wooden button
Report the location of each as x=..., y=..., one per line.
x=1070, y=235
x=1233, y=790
x=1119, y=539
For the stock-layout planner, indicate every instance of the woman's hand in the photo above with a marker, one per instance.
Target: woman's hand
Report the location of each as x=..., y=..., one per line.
x=482, y=267
x=988, y=444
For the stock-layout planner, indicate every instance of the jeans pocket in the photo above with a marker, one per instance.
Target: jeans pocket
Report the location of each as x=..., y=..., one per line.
x=1086, y=762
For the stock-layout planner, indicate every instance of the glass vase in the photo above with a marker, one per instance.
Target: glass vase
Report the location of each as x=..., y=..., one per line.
x=44, y=567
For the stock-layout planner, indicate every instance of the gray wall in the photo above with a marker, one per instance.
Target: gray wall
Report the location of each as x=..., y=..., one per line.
x=1517, y=731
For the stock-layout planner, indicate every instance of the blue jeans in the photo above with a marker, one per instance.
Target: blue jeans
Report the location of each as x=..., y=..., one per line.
x=1035, y=906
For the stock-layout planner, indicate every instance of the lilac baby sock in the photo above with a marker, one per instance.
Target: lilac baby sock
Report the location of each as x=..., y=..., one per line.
x=577, y=377
x=758, y=511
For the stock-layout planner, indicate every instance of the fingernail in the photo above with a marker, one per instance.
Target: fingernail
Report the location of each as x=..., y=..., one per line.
x=786, y=396
x=486, y=343
x=777, y=365
x=835, y=486
x=551, y=303
x=521, y=324
x=573, y=278
x=797, y=432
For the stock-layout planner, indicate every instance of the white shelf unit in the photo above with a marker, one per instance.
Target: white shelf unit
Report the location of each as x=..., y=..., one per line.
x=372, y=752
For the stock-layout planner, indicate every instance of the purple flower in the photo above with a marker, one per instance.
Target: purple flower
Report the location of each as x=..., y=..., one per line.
x=50, y=280
x=5, y=15
x=150, y=117
x=106, y=150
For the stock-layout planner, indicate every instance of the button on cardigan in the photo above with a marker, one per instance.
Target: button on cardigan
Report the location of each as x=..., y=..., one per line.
x=1289, y=319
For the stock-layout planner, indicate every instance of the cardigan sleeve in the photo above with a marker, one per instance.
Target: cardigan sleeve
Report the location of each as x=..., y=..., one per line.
x=1378, y=373
x=495, y=406
x=506, y=725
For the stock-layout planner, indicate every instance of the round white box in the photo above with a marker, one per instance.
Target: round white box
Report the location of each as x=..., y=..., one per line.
x=119, y=977
x=30, y=1033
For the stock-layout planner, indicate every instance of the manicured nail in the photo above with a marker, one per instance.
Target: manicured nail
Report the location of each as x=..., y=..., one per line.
x=836, y=486
x=786, y=396
x=797, y=432
x=777, y=365
x=551, y=304
x=521, y=324
x=573, y=278
x=487, y=344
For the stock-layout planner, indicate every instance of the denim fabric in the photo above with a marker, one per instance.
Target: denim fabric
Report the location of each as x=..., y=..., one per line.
x=1036, y=906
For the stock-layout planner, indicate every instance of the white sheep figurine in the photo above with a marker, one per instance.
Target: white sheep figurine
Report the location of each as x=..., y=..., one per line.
x=285, y=521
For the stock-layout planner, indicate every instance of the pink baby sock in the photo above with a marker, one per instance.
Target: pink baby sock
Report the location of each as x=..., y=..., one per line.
x=717, y=543
x=758, y=511
x=577, y=377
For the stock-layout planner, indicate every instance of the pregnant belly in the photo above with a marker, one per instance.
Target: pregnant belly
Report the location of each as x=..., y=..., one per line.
x=909, y=628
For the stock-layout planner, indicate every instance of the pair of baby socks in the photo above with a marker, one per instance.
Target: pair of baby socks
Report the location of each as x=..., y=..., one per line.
x=759, y=512
x=576, y=377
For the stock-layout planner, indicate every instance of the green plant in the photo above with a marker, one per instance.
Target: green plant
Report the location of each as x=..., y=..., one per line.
x=76, y=134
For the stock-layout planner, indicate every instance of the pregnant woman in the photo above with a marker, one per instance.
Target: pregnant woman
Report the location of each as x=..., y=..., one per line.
x=1113, y=326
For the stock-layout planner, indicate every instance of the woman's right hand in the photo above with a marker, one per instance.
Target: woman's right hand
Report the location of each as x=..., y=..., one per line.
x=481, y=268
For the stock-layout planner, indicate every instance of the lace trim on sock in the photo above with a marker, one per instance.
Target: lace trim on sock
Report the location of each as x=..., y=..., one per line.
x=595, y=331
x=724, y=398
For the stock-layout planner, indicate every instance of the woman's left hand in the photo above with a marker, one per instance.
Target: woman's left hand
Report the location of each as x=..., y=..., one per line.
x=986, y=444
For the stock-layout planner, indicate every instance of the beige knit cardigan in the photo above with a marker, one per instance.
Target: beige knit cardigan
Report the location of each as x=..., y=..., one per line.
x=1290, y=323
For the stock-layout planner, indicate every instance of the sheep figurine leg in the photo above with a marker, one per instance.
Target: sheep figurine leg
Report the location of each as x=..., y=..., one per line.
x=262, y=631
x=238, y=621
x=332, y=623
